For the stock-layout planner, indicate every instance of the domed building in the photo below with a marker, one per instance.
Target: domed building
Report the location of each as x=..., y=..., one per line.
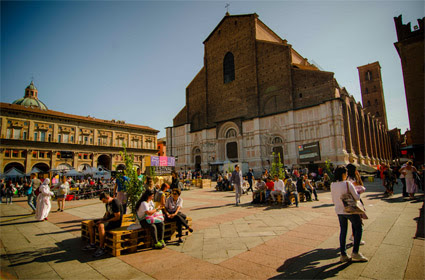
x=33, y=137
x=31, y=98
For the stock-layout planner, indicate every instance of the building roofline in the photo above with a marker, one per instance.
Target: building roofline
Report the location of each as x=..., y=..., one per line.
x=5, y=106
x=224, y=18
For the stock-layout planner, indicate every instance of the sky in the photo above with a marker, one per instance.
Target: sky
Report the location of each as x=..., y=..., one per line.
x=132, y=60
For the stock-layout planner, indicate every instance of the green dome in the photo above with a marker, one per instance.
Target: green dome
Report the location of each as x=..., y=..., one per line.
x=30, y=102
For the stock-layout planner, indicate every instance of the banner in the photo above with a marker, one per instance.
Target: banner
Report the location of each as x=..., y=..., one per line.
x=159, y=161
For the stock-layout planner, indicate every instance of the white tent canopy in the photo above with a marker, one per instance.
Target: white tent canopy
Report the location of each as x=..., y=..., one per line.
x=73, y=173
x=13, y=172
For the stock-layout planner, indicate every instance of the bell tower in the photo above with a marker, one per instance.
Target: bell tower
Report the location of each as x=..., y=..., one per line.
x=372, y=91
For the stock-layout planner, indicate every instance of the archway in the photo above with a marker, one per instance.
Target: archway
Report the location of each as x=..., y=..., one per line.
x=42, y=166
x=232, y=151
x=64, y=167
x=197, y=158
x=16, y=165
x=83, y=167
x=104, y=161
x=277, y=149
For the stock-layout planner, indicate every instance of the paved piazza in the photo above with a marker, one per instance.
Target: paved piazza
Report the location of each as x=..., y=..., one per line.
x=229, y=242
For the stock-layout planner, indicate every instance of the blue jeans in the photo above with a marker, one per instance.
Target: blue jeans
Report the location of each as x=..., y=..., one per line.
x=31, y=201
x=287, y=194
x=356, y=224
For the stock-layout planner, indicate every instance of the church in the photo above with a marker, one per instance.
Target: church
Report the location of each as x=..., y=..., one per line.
x=256, y=97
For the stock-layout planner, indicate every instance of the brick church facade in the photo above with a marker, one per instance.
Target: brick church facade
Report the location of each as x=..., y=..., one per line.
x=256, y=95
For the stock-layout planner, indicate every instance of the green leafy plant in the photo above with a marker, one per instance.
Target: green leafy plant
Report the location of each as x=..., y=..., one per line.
x=328, y=169
x=133, y=185
x=277, y=167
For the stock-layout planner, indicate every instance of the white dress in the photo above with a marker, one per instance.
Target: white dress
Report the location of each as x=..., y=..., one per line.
x=43, y=202
x=410, y=181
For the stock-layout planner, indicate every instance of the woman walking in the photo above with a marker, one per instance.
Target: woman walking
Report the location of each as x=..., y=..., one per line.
x=338, y=188
x=411, y=186
x=43, y=201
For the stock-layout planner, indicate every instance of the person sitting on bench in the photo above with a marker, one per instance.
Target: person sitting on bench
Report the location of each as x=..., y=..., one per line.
x=291, y=188
x=258, y=196
x=112, y=219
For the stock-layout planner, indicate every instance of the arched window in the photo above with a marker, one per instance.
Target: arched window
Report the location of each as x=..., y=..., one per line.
x=231, y=133
x=368, y=76
x=228, y=68
x=368, y=103
x=367, y=91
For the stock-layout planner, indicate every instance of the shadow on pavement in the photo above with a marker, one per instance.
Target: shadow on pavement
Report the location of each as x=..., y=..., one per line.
x=307, y=265
x=66, y=250
x=323, y=205
x=420, y=221
x=18, y=223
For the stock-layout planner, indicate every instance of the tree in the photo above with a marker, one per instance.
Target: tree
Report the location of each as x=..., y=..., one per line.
x=133, y=186
x=328, y=169
x=277, y=167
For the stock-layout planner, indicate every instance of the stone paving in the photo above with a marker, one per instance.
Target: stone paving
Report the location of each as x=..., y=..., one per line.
x=244, y=242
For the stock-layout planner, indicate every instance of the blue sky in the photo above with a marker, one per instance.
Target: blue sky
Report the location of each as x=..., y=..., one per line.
x=133, y=60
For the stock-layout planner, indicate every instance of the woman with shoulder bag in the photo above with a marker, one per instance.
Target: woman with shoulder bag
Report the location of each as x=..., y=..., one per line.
x=353, y=176
x=338, y=189
x=172, y=209
x=146, y=213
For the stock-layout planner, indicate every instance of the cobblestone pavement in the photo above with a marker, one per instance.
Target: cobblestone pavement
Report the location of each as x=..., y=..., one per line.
x=239, y=242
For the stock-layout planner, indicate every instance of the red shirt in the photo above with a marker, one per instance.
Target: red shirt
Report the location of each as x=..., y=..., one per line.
x=270, y=186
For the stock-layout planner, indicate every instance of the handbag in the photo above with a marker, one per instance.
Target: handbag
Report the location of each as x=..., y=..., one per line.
x=155, y=218
x=351, y=206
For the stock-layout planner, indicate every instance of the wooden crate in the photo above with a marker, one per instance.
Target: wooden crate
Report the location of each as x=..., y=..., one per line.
x=121, y=240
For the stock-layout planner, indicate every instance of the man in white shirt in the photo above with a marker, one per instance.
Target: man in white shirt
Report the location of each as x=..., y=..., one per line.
x=279, y=188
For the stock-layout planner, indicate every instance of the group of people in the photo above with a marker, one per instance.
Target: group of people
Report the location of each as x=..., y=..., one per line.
x=157, y=204
x=410, y=177
x=269, y=188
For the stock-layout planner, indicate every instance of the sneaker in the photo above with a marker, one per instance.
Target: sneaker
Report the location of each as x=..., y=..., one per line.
x=163, y=243
x=99, y=252
x=89, y=247
x=358, y=257
x=158, y=245
x=344, y=258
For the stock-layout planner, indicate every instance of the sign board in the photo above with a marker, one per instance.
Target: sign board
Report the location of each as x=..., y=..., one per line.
x=159, y=170
x=309, y=152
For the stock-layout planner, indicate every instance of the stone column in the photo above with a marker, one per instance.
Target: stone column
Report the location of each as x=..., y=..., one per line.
x=355, y=130
x=3, y=127
x=369, y=139
x=114, y=137
x=30, y=131
x=362, y=136
x=347, y=129
x=374, y=138
x=55, y=133
x=95, y=137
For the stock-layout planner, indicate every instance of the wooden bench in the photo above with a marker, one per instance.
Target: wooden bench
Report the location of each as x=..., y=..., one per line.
x=120, y=241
